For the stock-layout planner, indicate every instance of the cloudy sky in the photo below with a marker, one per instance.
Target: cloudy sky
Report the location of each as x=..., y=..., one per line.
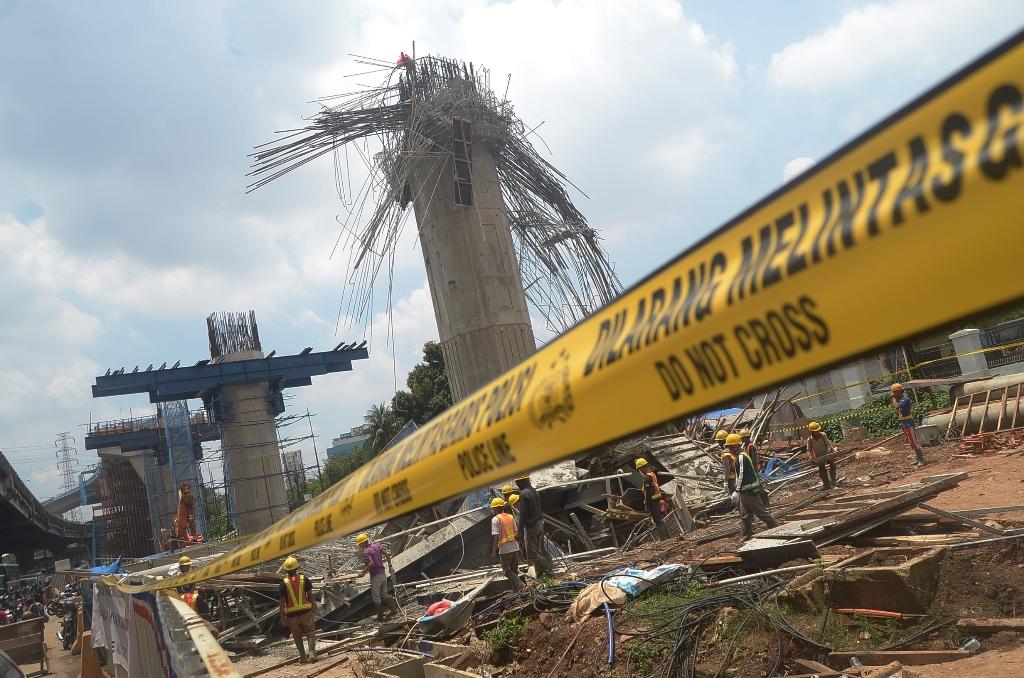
x=125, y=129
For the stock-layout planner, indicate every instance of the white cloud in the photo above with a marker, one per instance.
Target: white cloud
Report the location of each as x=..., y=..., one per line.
x=878, y=39
x=683, y=153
x=795, y=167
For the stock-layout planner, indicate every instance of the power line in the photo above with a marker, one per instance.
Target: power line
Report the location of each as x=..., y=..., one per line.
x=67, y=465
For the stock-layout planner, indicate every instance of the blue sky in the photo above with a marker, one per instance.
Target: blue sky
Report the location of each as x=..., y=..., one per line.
x=124, y=130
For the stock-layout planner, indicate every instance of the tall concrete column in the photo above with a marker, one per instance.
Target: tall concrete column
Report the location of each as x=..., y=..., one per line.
x=969, y=341
x=253, y=454
x=859, y=390
x=475, y=283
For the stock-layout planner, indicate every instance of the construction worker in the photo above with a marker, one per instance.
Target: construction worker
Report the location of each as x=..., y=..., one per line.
x=190, y=593
x=296, y=598
x=652, y=496
x=749, y=495
x=513, y=499
x=374, y=557
x=818, y=446
x=750, y=448
x=531, y=534
x=906, y=418
x=507, y=491
x=728, y=462
x=505, y=544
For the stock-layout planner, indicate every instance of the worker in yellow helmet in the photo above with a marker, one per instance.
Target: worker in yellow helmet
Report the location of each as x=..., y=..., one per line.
x=297, y=606
x=374, y=557
x=652, y=496
x=905, y=414
x=819, y=447
x=188, y=592
x=750, y=493
x=728, y=462
x=513, y=499
x=750, y=448
x=505, y=541
x=507, y=491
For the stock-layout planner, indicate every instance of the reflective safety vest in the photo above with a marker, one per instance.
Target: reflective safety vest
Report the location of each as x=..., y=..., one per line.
x=729, y=463
x=750, y=479
x=191, y=598
x=654, y=482
x=506, y=529
x=297, y=600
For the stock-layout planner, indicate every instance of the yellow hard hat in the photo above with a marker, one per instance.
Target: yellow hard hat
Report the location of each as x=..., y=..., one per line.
x=814, y=426
x=721, y=434
x=744, y=433
x=641, y=462
x=497, y=502
x=733, y=439
x=507, y=489
x=362, y=538
x=291, y=563
x=513, y=499
x=896, y=387
x=184, y=561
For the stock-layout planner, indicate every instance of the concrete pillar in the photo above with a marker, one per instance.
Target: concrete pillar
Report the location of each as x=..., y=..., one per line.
x=26, y=557
x=474, y=278
x=253, y=454
x=163, y=496
x=967, y=341
x=856, y=376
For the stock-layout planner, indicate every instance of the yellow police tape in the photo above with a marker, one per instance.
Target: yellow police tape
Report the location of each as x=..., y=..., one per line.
x=824, y=269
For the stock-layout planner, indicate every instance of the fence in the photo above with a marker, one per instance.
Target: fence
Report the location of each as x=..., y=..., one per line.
x=154, y=635
x=1004, y=333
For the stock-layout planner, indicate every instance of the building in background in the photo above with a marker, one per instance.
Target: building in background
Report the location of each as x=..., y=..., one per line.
x=347, y=443
x=294, y=469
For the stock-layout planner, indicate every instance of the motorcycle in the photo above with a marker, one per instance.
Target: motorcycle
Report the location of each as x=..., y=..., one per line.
x=68, y=630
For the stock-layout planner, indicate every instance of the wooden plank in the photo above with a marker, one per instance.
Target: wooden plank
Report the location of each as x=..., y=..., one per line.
x=991, y=624
x=984, y=413
x=808, y=665
x=905, y=657
x=1002, y=409
x=583, y=533
x=952, y=416
x=917, y=539
x=967, y=416
x=1016, y=408
x=590, y=509
x=963, y=520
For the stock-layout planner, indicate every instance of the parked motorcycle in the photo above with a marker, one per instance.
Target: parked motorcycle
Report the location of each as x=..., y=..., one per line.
x=68, y=630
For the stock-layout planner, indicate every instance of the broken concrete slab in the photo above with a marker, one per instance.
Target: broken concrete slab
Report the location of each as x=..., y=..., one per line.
x=899, y=579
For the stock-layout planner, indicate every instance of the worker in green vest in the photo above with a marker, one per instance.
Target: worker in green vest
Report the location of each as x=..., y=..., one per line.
x=750, y=493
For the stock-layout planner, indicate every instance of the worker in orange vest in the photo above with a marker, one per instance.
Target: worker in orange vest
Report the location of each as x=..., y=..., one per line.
x=297, y=606
x=652, y=496
x=505, y=541
x=190, y=593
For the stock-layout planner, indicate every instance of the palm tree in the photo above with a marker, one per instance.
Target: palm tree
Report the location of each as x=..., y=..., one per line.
x=383, y=426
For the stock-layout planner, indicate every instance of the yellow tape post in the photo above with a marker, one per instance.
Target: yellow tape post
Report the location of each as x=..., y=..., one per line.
x=822, y=270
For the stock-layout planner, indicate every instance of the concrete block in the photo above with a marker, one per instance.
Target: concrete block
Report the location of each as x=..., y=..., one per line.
x=407, y=668
x=928, y=435
x=900, y=579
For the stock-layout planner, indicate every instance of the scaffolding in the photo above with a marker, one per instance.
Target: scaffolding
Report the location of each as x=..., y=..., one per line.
x=123, y=515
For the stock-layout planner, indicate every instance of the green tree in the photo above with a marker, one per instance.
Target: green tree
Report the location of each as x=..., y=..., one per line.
x=429, y=393
x=382, y=425
x=217, y=523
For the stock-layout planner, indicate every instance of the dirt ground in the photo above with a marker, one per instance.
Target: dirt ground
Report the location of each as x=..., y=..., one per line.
x=977, y=582
x=62, y=663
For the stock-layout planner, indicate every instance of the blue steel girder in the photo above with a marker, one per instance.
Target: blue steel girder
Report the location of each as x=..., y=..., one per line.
x=182, y=383
x=146, y=439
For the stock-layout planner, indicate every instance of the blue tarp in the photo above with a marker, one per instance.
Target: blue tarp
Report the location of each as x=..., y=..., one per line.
x=112, y=568
x=718, y=414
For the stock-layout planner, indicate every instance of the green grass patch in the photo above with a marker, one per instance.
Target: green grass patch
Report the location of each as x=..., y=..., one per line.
x=509, y=631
